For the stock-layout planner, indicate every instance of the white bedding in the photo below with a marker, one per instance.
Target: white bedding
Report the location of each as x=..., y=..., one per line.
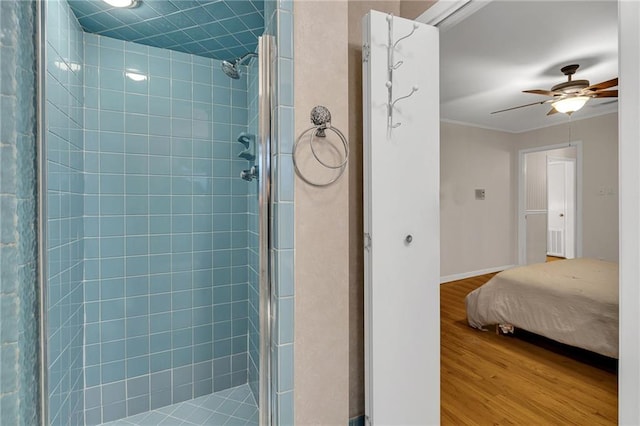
x=571, y=301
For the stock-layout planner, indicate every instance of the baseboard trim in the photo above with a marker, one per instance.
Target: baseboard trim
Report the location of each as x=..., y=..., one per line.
x=456, y=277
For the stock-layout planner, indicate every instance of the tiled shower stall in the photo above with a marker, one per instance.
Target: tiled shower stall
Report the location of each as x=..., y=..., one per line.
x=151, y=242
x=149, y=260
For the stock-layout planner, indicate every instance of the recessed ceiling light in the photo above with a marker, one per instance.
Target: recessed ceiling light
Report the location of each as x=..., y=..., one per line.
x=122, y=3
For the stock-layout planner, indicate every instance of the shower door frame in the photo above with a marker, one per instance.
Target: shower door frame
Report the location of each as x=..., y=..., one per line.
x=41, y=153
x=266, y=46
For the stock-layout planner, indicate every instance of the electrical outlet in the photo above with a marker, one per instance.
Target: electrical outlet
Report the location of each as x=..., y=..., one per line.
x=480, y=194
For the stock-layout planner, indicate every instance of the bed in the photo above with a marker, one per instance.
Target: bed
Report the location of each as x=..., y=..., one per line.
x=571, y=301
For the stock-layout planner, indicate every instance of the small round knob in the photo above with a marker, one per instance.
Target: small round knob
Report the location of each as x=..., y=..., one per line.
x=408, y=239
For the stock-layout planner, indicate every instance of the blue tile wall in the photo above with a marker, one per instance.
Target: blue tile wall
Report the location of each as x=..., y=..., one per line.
x=65, y=186
x=218, y=29
x=18, y=327
x=166, y=255
x=279, y=23
x=110, y=186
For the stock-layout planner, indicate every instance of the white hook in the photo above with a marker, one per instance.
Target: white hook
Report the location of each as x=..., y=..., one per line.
x=413, y=30
x=397, y=65
x=414, y=89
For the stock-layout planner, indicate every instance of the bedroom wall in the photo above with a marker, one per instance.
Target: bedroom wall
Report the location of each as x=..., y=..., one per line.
x=599, y=136
x=476, y=235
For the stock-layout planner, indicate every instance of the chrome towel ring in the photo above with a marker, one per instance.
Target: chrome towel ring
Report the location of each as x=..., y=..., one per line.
x=321, y=119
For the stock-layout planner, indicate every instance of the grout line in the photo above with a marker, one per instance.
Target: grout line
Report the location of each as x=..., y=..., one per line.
x=168, y=411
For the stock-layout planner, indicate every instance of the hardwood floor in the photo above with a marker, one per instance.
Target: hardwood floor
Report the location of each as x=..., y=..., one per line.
x=488, y=379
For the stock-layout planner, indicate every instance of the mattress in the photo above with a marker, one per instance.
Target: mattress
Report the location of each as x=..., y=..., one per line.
x=571, y=301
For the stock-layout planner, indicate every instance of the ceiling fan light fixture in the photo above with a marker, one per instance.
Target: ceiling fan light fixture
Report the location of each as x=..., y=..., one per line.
x=571, y=104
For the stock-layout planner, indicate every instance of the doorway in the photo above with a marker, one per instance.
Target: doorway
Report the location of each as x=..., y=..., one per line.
x=629, y=132
x=561, y=207
x=550, y=202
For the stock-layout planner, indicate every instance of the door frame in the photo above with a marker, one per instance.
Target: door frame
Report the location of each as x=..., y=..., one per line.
x=629, y=210
x=522, y=223
x=629, y=201
x=570, y=214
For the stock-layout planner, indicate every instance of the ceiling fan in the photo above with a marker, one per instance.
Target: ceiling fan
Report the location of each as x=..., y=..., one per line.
x=571, y=95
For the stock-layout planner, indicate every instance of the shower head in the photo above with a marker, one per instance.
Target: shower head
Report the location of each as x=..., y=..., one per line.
x=231, y=68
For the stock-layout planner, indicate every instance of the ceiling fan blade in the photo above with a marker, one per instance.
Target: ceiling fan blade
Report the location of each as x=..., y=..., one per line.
x=604, y=85
x=552, y=111
x=541, y=92
x=522, y=106
x=605, y=94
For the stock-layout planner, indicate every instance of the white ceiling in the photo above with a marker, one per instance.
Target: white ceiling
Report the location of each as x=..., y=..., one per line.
x=490, y=57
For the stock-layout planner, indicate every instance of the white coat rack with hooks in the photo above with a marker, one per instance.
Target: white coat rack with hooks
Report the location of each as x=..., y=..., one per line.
x=392, y=65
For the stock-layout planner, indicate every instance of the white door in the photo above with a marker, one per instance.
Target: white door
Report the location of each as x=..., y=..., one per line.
x=561, y=207
x=401, y=221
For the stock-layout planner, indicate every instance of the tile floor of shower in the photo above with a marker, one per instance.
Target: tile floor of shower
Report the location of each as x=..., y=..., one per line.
x=234, y=407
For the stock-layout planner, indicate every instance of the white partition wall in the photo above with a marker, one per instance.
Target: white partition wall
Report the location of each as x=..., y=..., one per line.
x=629, y=159
x=401, y=209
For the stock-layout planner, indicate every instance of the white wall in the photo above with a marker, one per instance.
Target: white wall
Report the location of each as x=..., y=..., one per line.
x=477, y=236
x=629, y=61
x=599, y=136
